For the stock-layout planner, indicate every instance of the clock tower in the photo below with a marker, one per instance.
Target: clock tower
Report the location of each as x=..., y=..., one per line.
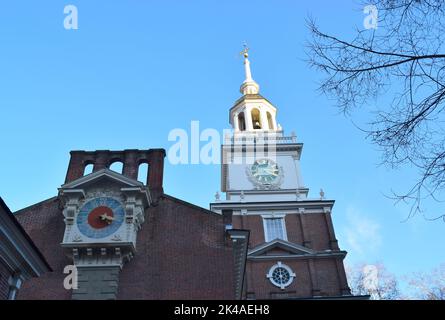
x=103, y=212
x=293, y=251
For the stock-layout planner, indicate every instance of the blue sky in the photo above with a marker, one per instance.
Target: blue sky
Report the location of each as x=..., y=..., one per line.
x=134, y=70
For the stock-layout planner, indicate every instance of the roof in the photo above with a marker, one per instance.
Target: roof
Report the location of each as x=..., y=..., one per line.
x=99, y=175
x=278, y=243
x=249, y=97
x=22, y=231
x=291, y=250
x=188, y=204
x=55, y=198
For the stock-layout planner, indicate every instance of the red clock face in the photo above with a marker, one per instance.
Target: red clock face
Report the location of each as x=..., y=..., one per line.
x=100, y=217
x=96, y=217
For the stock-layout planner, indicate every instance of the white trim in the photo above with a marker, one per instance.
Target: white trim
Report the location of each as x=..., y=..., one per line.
x=285, y=245
x=16, y=250
x=98, y=174
x=272, y=215
x=282, y=217
x=15, y=282
x=282, y=286
x=287, y=207
x=293, y=257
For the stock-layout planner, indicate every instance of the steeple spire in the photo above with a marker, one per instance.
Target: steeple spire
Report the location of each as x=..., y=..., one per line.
x=249, y=85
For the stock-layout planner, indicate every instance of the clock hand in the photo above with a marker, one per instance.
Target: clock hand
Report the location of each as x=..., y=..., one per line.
x=270, y=171
x=105, y=217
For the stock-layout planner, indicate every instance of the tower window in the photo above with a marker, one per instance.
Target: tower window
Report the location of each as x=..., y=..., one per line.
x=241, y=122
x=270, y=120
x=143, y=173
x=256, y=119
x=117, y=166
x=88, y=169
x=274, y=228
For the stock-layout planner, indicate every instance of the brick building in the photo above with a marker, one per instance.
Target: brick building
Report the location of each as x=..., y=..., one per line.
x=20, y=260
x=293, y=251
x=129, y=240
x=160, y=248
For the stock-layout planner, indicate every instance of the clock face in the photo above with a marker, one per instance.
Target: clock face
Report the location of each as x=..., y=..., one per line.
x=100, y=217
x=265, y=171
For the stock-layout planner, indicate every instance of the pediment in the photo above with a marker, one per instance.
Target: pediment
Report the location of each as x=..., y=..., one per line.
x=104, y=175
x=105, y=182
x=280, y=248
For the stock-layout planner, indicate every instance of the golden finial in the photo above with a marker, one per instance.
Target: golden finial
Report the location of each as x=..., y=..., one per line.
x=245, y=52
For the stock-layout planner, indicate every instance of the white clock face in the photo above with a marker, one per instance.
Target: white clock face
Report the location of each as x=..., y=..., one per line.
x=265, y=171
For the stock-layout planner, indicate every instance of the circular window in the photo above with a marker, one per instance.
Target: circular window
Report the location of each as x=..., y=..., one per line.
x=281, y=275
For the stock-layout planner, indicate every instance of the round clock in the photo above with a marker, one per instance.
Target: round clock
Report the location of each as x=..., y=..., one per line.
x=100, y=217
x=265, y=171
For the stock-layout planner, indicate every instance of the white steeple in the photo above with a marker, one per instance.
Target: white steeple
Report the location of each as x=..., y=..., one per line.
x=249, y=85
x=258, y=147
x=252, y=113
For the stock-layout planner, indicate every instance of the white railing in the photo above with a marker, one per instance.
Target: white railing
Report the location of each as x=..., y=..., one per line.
x=259, y=137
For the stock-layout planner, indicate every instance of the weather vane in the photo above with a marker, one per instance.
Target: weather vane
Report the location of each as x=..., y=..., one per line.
x=245, y=52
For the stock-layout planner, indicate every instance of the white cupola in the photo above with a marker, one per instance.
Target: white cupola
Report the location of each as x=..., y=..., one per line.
x=252, y=112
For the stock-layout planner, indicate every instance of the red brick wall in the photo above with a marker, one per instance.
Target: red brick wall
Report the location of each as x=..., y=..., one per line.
x=254, y=223
x=310, y=230
x=180, y=255
x=264, y=289
x=293, y=228
x=326, y=275
x=315, y=229
x=44, y=224
x=4, y=285
x=131, y=160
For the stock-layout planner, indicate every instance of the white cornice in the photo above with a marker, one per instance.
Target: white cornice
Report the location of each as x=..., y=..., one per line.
x=100, y=174
x=310, y=206
x=323, y=255
x=278, y=243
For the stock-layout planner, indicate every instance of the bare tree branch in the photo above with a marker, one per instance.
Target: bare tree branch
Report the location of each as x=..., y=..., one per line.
x=403, y=59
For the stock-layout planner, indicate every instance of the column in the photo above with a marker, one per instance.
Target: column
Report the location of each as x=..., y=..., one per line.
x=102, y=160
x=333, y=243
x=156, y=171
x=344, y=288
x=264, y=122
x=76, y=166
x=248, y=117
x=236, y=122
x=274, y=122
x=131, y=165
x=97, y=283
x=314, y=278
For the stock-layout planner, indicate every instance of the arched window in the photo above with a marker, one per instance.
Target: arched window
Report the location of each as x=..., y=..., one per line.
x=88, y=169
x=270, y=120
x=143, y=173
x=256, y=120
x=241, y=122
x=117, y=166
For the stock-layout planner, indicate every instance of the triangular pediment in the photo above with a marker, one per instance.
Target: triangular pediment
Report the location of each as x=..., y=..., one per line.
x=100, y=176
x=280, y=247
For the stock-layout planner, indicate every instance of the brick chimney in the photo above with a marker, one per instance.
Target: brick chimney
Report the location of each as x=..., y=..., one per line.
x=131, y=160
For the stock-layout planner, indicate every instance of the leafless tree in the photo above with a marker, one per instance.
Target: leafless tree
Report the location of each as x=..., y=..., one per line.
x=428, y=286
x=399, y=66
x=373, y=280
